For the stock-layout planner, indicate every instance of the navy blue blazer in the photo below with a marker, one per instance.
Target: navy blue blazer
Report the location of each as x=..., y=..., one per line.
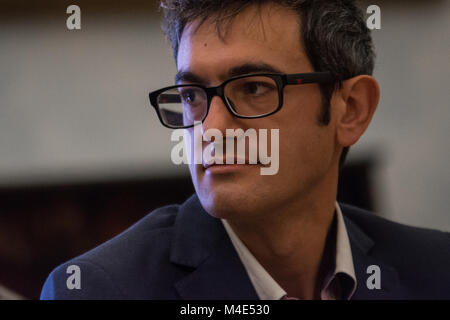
x=181, y=252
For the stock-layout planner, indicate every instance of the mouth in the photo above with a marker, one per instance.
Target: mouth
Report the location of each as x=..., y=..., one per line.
x=236, y=164
x=220, y=169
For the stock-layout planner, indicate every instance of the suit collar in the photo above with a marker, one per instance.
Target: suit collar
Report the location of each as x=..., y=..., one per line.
x=196, y=232
x=363, y=248
x=200, y=241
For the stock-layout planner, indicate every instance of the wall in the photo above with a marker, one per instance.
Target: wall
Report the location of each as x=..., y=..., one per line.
x=73, y=104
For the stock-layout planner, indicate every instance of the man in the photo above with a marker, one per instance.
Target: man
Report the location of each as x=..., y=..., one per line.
x=304, y=68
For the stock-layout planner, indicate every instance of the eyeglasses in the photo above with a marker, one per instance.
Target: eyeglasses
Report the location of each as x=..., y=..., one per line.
x=247, y=96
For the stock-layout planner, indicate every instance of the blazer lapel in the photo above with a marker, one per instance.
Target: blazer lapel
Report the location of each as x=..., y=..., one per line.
x=362, y=246
x=201, y=242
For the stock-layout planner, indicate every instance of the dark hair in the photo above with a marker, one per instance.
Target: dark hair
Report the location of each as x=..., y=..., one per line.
x=334, y=35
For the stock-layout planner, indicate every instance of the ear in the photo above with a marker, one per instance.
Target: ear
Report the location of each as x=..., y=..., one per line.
x=358, y=101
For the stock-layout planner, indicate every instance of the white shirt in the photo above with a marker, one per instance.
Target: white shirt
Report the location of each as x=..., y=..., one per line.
x=268, y=289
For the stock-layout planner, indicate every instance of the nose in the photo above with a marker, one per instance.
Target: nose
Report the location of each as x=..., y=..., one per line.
x=219, y=117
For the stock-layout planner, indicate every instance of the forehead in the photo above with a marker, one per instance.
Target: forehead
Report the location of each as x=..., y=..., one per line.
x=269, y=34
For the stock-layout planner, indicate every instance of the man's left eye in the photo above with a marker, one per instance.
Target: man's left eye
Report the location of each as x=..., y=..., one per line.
x=189, y=97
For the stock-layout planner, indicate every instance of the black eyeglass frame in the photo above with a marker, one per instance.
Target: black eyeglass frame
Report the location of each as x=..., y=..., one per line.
x=280, y=79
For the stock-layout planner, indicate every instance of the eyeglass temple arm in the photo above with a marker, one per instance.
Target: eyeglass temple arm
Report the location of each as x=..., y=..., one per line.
x=302, y=78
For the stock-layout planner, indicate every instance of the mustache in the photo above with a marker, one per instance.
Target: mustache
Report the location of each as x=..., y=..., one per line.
x=228, y=151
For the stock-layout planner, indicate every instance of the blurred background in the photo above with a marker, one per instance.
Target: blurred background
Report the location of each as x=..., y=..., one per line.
x=83, y=155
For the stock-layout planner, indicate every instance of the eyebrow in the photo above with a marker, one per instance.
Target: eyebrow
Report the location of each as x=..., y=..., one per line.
x=252, y=68
x=246, y=68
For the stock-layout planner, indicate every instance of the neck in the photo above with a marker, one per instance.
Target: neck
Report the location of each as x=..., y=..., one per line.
x=290, y=245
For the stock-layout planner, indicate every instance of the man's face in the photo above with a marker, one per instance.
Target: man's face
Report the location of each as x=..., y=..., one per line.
x=307, y=150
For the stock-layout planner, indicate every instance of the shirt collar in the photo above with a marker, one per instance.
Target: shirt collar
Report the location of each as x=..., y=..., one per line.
x=340, y=282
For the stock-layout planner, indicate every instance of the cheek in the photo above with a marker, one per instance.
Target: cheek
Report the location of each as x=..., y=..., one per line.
x=308, y=156
x=304, y=143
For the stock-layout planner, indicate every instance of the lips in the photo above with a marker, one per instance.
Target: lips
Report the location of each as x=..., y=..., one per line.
x=235, y=162
x=235, y=156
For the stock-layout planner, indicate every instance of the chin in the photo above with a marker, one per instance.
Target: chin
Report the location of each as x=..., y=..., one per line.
x=219, y=204
x=226, y=202
x=245, y=195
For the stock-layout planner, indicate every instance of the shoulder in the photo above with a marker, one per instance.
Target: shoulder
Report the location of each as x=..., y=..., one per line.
x=384, y=231
x=122, y=267
x=421, y=256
